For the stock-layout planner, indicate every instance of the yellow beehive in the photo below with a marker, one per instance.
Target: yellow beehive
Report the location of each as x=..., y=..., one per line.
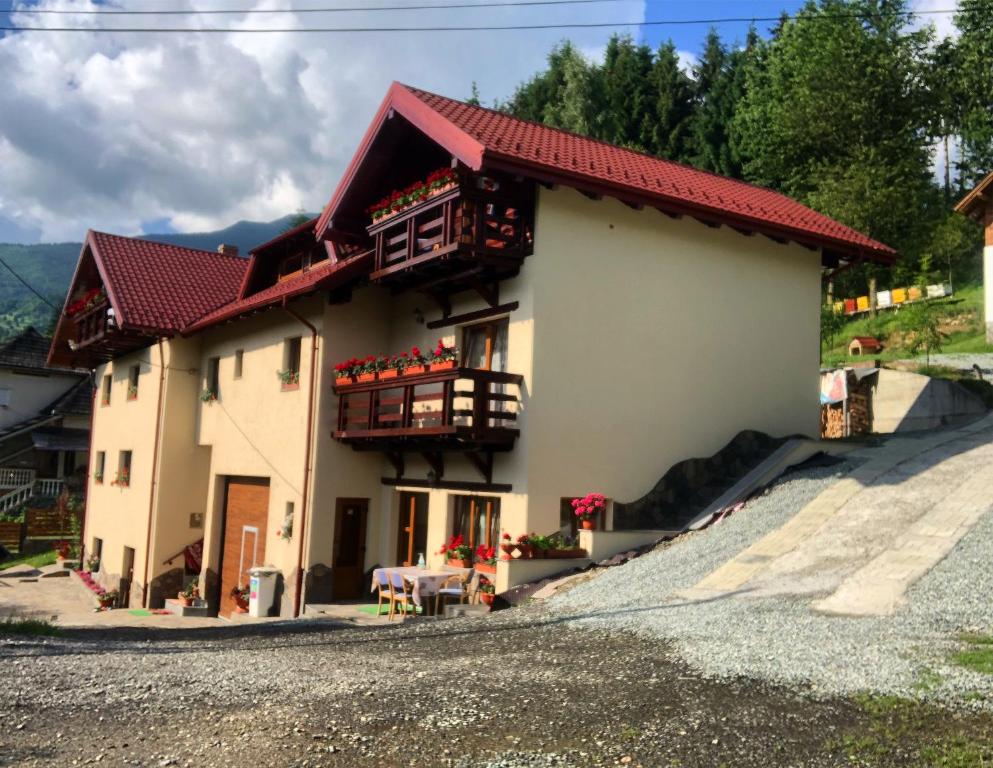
x=899, y=295
x=839, y=307
x=913, y=293
x=862, y=302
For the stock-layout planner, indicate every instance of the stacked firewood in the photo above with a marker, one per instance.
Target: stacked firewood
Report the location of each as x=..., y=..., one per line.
x=832, y=421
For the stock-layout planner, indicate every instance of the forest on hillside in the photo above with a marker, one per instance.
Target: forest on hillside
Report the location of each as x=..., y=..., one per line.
x=848, y=106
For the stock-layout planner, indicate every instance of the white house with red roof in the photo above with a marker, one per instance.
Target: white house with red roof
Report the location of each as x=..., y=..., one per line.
x=304, y=408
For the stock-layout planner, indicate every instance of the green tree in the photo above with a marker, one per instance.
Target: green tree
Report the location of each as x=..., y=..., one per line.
x=974, y=70
x=572, y=106
x=473, y=95
x=920, y=322
x=672, y=90
x=628, y=110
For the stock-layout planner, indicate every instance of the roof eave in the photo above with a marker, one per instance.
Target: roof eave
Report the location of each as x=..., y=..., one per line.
x=548, y=174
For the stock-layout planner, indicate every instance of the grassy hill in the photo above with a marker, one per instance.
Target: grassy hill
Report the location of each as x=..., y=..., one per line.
x=960, y=321
x=48, y=267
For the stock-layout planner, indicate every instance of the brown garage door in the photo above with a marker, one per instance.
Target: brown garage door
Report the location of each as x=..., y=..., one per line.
x=246, y=513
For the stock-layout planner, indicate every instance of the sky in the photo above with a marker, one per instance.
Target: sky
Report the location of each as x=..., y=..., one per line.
x=141, y=133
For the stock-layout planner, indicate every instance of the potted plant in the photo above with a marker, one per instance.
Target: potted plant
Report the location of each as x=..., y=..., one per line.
x=507, y=546
x=457, y=552
x=486, y=591
x=539, y=545
x=344, y=373
x=486, y=559
x=290, y=379
x=388, y=367
x=98, y=477
x=524, y=546
x=240, y=595
x=122, y=479
x=189, y=593
x=208, y=396
x=367, y=369
x=132, y=392
x=93, y=564
x=444, y=358
x=414, y=362
x=107, y=598
x=564, y=547
x=588, y=507
x=63, y=549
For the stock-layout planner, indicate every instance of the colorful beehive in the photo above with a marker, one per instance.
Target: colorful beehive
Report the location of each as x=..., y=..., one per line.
x=862, y=302
x=838, y=307
x=884, y=299
x=913, y=293
x=899, y=295
x=849, y=306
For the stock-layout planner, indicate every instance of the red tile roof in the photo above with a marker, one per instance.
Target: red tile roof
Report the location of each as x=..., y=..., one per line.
x=868, y=341
x=483, y=137
x=324, y=275
x=163, y=287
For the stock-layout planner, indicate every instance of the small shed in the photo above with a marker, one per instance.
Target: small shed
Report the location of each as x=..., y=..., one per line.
x=864, y=345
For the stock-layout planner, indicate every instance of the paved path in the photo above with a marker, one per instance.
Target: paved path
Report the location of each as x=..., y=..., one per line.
x=862, y=542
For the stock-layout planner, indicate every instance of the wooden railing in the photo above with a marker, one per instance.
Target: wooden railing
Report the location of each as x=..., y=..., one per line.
x=92, y=324
x=488, y=225
x=436, y=404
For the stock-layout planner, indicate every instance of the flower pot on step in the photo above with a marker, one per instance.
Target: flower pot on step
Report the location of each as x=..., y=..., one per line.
x=458, y=563
x=589, y=525
x=487, y=598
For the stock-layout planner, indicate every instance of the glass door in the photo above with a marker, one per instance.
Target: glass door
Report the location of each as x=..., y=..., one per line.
x=412, y=528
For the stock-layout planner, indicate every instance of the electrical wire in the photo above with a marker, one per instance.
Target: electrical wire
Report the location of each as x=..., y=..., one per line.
x=356, y=9
x=476, y=28
x=27, y=285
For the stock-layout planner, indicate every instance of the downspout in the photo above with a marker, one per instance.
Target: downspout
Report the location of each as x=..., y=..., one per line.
x=155, y=466
x=90, y=456
x=305, y=494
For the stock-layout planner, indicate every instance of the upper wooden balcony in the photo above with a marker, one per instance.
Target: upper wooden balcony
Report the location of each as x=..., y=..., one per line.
x=92, y=324
x=465, y=235
x=459, y=409
x=98, y=338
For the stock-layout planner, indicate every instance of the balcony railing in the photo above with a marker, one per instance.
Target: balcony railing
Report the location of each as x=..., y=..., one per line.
x=493, y=229
x=92, y=324
x=456, y=408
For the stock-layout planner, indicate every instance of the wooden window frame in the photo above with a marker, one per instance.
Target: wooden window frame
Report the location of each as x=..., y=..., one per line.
x=491, y=327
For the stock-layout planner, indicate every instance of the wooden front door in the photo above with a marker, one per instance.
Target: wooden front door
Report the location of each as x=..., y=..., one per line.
x=127, y=576
x=412, y=527
x=349, y=548
x=246, y=516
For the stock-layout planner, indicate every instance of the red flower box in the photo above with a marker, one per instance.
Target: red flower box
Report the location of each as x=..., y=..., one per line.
x=485, y=568
x=365, y=377
x=458, y=563
x=445, y=366
x=413, y=370
x=389, y=373
x=343, y=381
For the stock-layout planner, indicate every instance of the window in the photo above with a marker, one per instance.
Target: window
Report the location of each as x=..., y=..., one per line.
x=97, y=548
x=4, y=397
x=133, y=373
x=477, y=518
x=105, y=390
x=290, y=375
x=485, y=346
x=239, y=359
x=98, y=467
x=213, y=384
x=123, y=479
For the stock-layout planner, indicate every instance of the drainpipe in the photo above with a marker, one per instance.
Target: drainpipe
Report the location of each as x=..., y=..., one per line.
x=306, y=461
x=155, y=464
x=90, y=456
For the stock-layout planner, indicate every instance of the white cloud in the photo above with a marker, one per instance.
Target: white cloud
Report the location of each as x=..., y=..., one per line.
x=109, y=130
x=687, y=60
x=944, y=25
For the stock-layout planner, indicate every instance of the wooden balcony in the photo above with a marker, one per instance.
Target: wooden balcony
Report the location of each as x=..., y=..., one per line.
x=461, y=237
x=466, y=410
x=99, y=338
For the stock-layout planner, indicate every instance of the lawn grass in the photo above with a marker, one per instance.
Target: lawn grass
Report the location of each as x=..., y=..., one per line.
x=977, y=654
x=968, y=338
x=894, y=731
x=37, y=561
x=13, y=625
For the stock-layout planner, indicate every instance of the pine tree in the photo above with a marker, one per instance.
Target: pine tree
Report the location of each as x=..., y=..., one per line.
x=628, y=106
x=974, y=67
x=667, y=132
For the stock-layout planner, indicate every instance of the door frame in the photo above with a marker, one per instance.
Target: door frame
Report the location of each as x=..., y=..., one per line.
x=339, y=504
x=217, y=594
x=404, y=528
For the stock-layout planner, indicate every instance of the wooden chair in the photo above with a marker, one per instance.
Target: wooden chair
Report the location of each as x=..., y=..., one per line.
x=401, y=592
x=456, y=585
x=382, y=591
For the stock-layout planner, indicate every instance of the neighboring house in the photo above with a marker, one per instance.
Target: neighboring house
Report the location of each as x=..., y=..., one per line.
x=978, y=205
x=613, y=312
x=44, y=423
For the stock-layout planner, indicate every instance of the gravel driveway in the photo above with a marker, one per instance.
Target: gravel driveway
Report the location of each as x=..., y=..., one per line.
x=780, y=638
x=517, y=689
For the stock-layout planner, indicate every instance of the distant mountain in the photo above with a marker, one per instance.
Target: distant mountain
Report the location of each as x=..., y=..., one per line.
x=48, y=268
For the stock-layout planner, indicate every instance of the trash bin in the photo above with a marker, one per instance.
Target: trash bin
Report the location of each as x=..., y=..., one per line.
x=261, y=589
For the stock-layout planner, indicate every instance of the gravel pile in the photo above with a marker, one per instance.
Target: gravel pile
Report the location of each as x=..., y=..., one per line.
x=781, y=639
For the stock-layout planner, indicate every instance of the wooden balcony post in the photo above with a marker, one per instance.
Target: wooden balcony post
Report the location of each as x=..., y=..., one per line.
x=446, y=403
x=411, y=238
x=408, y=406
x=342, y=411
x=372, y=409
x=480, y=405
